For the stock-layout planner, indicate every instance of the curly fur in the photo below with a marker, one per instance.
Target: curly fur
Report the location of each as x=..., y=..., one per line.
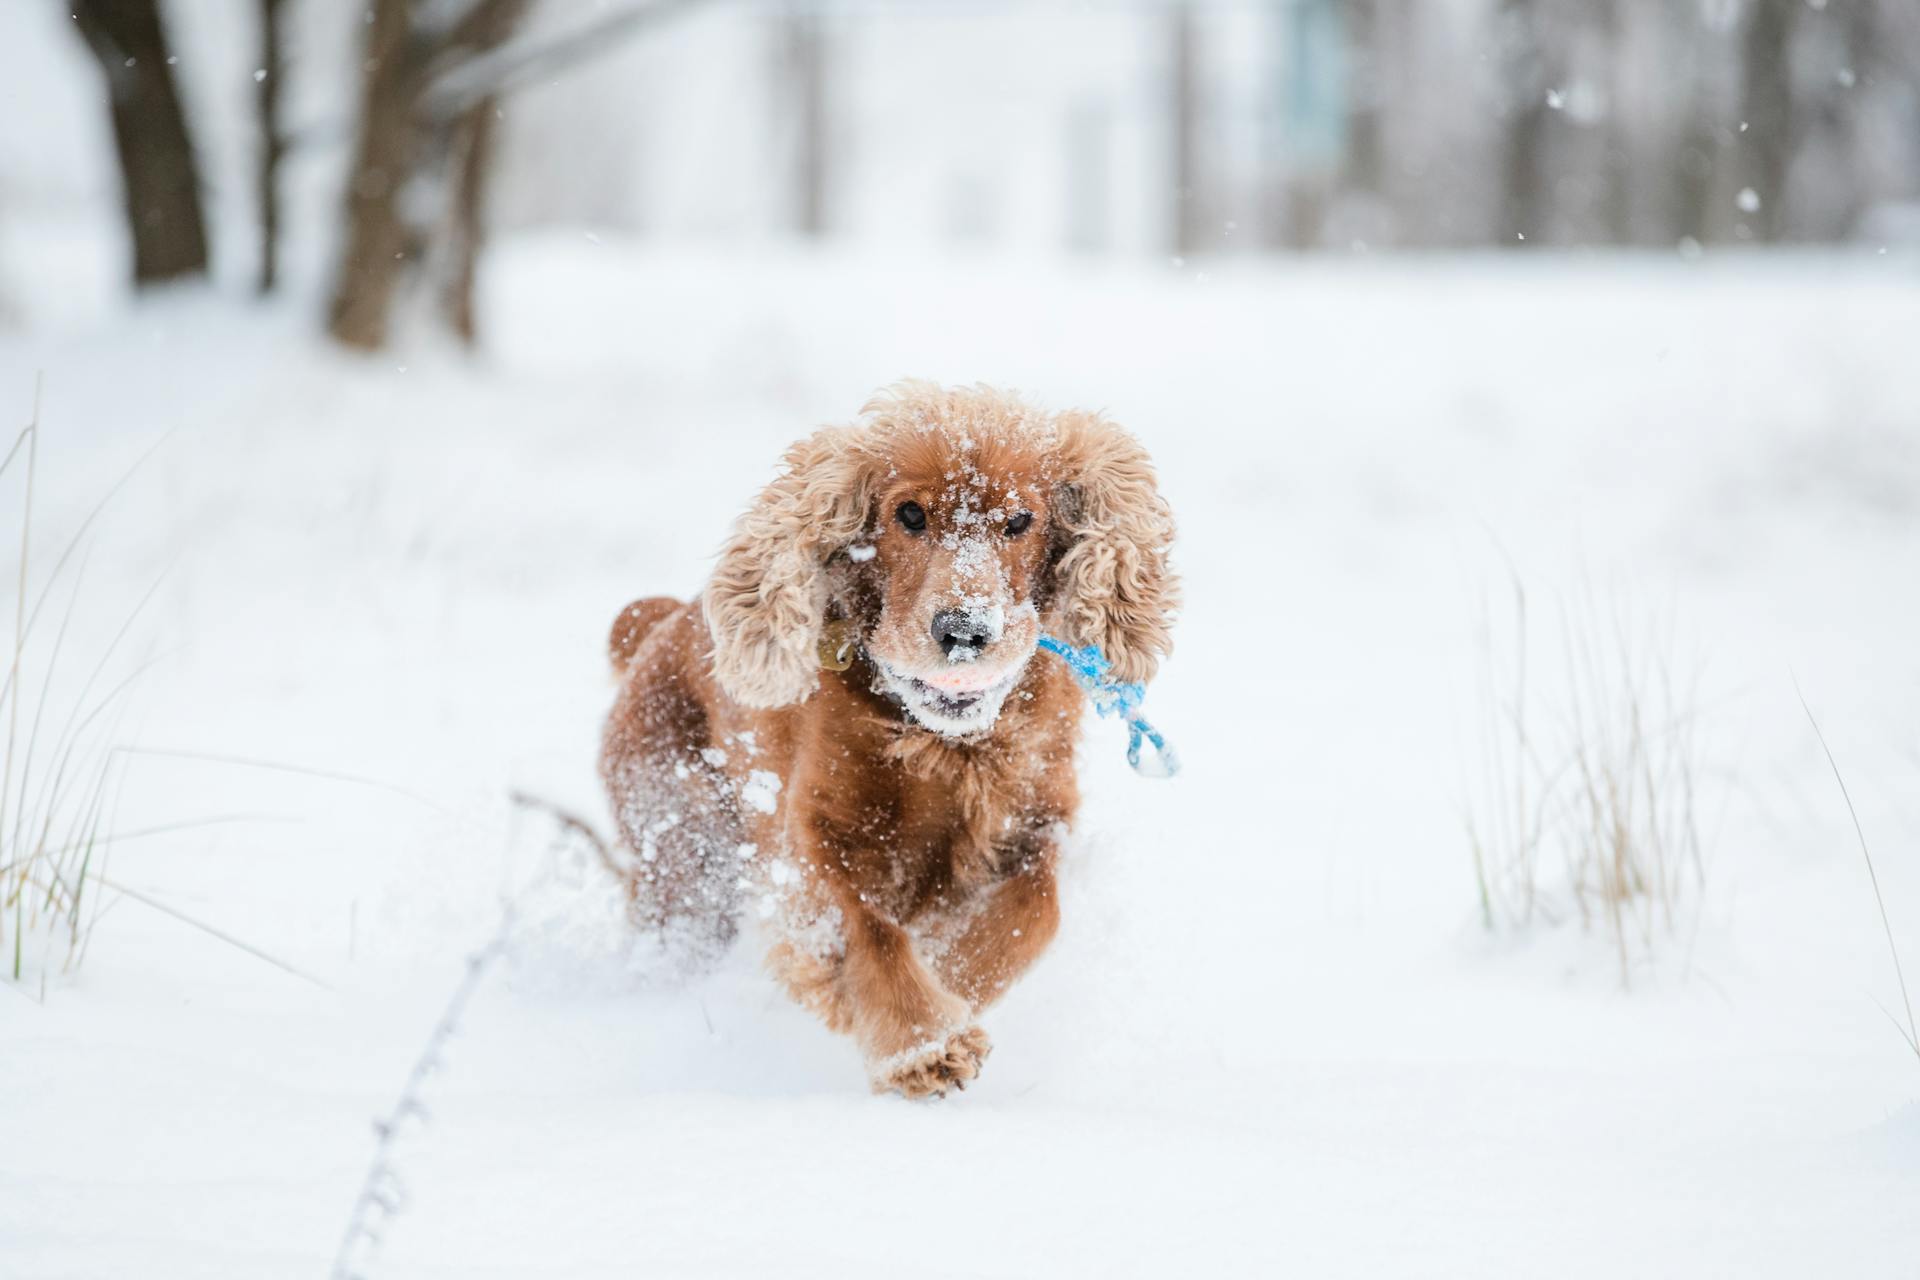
x=767, y=597
x=900, y=857
x=1113, y=585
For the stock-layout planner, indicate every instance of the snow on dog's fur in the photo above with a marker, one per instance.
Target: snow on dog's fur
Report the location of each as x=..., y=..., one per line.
x=894, y=822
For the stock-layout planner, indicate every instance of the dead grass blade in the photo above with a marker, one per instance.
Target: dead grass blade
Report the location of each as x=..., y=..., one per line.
x=174, y=913
x=1909, y=1032
x=278, y=766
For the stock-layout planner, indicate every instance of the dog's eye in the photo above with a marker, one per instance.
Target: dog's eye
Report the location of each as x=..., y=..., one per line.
x=913, y=517
x=1019, y=524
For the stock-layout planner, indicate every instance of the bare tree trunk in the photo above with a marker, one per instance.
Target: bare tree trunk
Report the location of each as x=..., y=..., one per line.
x=159, y=178
x=1766, y=109
x=1832, y=121
x=1364, y=167
x=1617, y=136
x=466, y=233
x=1693, y=185
x=402, y=143
x=1525, y=204
x=803, y=112
x=273, y=141
x=1696, y=135
x=1183, y=121
x=385, y=156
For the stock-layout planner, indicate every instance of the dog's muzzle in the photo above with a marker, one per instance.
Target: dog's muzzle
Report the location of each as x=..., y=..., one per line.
x=959, y=702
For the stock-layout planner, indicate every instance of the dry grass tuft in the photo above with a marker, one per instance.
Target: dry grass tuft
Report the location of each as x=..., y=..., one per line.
x=60, y=771
x=1589, y=761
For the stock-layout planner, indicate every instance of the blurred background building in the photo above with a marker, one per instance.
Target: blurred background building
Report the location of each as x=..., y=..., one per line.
x=350, y=147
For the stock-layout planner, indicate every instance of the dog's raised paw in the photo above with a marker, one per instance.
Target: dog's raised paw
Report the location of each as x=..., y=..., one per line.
x=930, y=1070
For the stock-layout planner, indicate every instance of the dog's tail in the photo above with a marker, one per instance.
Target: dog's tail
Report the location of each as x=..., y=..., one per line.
x=633, y=625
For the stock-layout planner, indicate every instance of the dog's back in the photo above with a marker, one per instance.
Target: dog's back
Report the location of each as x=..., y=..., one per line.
x=634, y=624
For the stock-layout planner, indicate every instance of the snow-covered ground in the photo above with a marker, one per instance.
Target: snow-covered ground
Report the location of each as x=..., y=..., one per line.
x=1272, y=1038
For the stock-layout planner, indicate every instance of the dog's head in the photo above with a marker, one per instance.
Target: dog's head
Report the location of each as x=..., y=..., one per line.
x=950, y=528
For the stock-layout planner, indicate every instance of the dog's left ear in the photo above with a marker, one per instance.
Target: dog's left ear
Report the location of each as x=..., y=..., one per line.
x=1112, y=532
x=768, y=595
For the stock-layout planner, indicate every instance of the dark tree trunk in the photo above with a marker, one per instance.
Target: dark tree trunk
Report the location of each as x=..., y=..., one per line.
x=1525, y=206
x=1523, y=181
x=466, y=229
x=273, y=141
x=1766, y=109
x=385, y=155
x=160, y=181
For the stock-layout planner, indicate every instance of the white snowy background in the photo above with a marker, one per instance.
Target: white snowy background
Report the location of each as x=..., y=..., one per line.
x=1273, y=1037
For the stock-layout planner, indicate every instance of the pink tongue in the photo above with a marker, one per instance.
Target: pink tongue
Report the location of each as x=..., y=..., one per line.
x=964, y=681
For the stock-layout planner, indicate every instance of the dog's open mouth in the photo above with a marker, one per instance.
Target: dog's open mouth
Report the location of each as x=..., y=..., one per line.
x=944, y=707
x=953, y=702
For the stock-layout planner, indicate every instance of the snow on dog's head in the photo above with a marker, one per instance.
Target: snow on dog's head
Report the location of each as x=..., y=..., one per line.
x=950, y=527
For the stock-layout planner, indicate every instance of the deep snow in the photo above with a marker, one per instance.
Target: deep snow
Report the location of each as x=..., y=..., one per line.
x=1272, y=1035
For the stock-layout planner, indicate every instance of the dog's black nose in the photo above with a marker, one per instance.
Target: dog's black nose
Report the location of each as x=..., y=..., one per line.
x=961, y=633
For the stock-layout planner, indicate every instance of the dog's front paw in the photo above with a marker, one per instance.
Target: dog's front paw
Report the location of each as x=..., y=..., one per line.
x=929, y=1070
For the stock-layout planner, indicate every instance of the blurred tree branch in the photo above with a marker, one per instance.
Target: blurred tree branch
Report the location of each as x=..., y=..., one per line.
x=495, y=71
x=431, y=79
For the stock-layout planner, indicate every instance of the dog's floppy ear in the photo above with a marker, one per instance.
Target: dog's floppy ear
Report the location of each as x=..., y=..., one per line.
x=1111, y=531
x=768, y=594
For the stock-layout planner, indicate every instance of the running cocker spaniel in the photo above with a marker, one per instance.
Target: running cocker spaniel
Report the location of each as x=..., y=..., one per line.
x=852, y=739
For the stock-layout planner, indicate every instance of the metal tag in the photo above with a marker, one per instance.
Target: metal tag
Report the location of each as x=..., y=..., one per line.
x=837, y=639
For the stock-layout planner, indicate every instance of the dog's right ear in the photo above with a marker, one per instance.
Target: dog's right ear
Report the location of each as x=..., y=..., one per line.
x=768, y=595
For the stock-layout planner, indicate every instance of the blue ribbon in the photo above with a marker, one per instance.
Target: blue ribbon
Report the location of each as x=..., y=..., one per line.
x=1112, y=697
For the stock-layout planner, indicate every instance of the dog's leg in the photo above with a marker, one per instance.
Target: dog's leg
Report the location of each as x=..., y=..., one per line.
x=1008, y=934
x=918, y=1037
x=675, y=815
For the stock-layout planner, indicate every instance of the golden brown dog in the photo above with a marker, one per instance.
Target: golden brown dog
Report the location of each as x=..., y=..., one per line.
x=850, y=737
